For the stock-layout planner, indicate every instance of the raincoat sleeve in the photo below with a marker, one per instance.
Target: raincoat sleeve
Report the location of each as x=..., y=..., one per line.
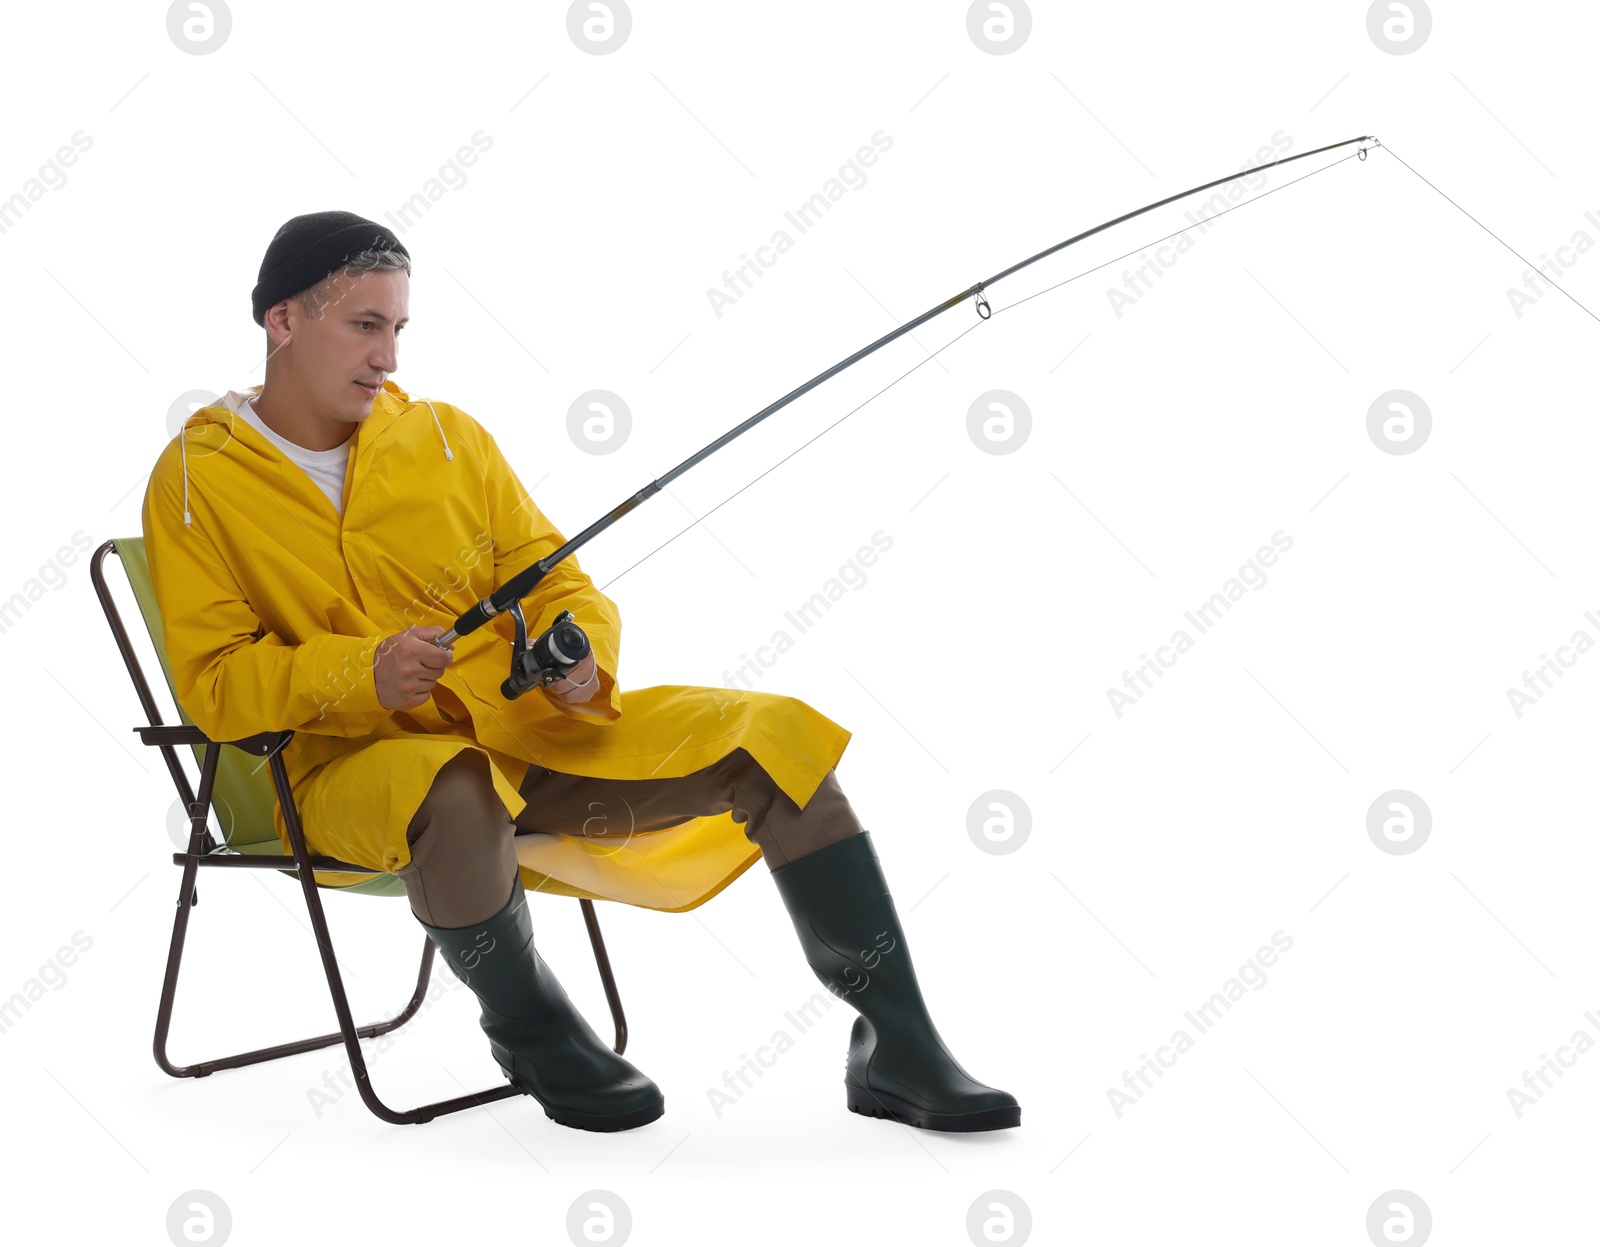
x=231, y=675
x=523, y=536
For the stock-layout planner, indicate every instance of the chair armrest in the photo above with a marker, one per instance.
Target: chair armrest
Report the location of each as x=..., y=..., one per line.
x=262, y=744
x=271, y=861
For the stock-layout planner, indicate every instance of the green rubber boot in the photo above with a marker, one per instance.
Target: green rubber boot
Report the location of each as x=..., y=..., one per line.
x=540, y=1040
x=898, y=1066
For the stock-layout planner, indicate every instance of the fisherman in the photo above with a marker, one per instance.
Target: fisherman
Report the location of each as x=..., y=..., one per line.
x=309, y=538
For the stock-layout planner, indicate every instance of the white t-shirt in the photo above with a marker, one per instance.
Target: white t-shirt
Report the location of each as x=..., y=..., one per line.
x=324, y=467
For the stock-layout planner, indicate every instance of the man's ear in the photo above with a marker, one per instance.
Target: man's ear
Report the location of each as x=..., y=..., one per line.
x=278, y=315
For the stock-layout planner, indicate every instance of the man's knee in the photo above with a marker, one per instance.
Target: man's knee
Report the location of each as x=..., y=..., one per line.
x=462, y=793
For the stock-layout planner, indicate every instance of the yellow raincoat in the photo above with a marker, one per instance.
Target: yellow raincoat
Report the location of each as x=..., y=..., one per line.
x=273, y=604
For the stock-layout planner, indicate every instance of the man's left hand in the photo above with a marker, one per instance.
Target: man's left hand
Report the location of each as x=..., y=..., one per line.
x=578, y=685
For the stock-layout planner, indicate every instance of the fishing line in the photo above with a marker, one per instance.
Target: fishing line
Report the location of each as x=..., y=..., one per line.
x=952, y=342
x=792, y=454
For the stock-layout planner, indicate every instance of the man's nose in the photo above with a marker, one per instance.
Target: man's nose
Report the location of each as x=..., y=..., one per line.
x=385, y=357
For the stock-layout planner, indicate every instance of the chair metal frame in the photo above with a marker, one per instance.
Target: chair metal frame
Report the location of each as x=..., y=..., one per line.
x=204, y=851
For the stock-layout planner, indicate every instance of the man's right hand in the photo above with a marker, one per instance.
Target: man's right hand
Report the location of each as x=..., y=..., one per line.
x=408, y=665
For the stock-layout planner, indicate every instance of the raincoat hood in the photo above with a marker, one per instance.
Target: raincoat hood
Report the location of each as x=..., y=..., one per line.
x=226, y=413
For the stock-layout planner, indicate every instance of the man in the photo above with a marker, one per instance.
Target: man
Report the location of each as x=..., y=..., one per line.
x=309, y=538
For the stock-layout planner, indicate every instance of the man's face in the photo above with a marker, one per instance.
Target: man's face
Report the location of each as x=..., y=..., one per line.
x=342, y=355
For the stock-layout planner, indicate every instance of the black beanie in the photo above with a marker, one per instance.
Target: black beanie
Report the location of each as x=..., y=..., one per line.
x=308, y=248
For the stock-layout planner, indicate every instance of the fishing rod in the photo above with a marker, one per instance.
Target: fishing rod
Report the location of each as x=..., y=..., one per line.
x=564, y=645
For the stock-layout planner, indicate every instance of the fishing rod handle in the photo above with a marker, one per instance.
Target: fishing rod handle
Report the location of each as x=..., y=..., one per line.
x=475, y=617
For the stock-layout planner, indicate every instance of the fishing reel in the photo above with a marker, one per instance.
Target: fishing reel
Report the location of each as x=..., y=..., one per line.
x=561, y=648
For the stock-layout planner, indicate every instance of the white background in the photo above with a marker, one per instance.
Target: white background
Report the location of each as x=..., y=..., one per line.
x=1229, y=403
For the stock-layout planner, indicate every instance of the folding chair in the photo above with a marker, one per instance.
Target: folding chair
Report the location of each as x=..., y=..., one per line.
x=250, y=841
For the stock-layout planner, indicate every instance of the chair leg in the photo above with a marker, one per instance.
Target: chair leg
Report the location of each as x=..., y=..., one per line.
x=200, y=1069
x=341, y=1005
x=606, y=978
x=199, y=841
